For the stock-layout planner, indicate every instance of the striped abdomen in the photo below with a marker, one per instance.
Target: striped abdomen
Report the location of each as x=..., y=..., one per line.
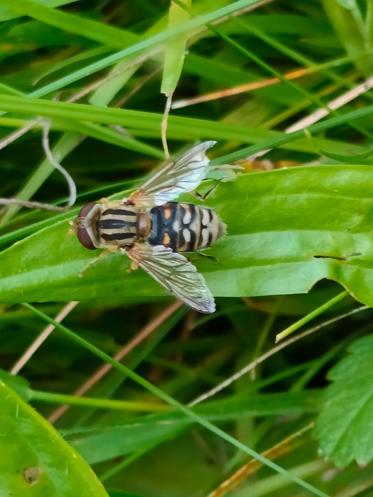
x=184, y=227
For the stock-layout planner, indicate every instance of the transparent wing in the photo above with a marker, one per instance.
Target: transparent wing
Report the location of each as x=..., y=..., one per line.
x=182, y=175
x=175, y=273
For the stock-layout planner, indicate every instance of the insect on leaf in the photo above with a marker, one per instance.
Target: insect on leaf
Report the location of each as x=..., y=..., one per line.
x=282, y=237
x=344, y=427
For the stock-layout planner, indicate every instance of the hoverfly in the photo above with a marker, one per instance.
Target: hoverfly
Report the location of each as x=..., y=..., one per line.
x=152, y=230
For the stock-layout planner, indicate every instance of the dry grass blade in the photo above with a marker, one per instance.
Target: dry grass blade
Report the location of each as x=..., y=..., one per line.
x=125, y=350
x=244, y=88
x=40, y=339
x=252, y=365
x=334, y=104
x=284, y=447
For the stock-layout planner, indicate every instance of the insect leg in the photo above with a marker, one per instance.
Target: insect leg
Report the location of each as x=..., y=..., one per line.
x=206, y=194
x=196, y=255
x=108, y=250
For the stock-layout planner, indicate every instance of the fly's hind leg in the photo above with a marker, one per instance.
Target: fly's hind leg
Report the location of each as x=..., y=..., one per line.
x=209, y=191
x=128, y=249
x=200, y=253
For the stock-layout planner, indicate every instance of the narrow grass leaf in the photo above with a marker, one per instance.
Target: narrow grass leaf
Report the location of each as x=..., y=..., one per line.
x=97, y=31
x=101, y=444
x=148, y=124
x=175, y=49
x=348, y=33
x=7, y=14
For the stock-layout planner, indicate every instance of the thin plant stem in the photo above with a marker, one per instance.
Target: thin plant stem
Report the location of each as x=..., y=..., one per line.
x=40, y=339
x=31, y=204
x=164, y=125
x=252, y=365
x=54, y=162
x=311, y=315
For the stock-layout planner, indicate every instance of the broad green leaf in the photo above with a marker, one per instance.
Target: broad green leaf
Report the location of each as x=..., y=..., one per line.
x=34, y=459
x=344, y=427
x=287, y=229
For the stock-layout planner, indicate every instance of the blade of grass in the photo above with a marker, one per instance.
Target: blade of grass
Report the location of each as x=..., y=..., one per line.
x=149, y=123
x=311, y=315
x=93, y=30
x=97, y=403
x=251, y=467
x=7, y=14
x=286, y=138
x=297, y=56
x=274, y=350
x=174, y=403
x=261, y=63
x=100, y=373
x=173, y=63
x=175, y=49
x=348, y=32
x=164, y=36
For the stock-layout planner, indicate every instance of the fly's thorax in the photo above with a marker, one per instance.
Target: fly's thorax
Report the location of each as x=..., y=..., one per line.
x=117, y=226
x=184, y=227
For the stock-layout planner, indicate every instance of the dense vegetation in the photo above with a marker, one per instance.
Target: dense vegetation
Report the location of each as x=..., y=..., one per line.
x=159, y=400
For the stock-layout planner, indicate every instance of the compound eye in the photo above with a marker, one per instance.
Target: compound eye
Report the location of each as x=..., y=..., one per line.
x=85, y=210
x=83, y=220
x=85, y=238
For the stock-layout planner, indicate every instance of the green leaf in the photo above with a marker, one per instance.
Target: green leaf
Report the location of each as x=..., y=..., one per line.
x=17, y=383
x=175, y=49
x=287, y=229
x=344, y=427
x=34, y=459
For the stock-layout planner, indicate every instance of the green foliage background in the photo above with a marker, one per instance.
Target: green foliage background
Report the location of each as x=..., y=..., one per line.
x=299, y=234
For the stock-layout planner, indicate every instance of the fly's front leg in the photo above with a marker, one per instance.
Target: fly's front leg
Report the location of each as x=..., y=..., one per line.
x=106, y=251
x=221, y=174
x=110, y=204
